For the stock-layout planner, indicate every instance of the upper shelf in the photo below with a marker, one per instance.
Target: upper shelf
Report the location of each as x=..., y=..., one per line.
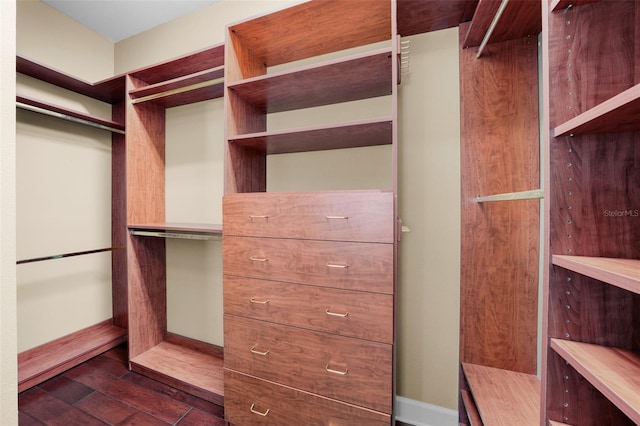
x=110, y=90
x=190, y=231
x=196, y=87
x=420, y=16
x=68, y=114
x=517, y=19
x=360, y=76
x=274, y=39
x=617, y=114
x=347, y=135
x=556, y=5
x=623, y=273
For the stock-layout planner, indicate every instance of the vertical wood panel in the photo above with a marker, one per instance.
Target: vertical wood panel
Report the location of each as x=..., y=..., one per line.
x=500, y=153
x=119, y=221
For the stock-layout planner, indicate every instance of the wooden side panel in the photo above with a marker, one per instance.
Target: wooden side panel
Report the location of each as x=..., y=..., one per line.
x=119, y=221
x=499, y=247
x=145, y=186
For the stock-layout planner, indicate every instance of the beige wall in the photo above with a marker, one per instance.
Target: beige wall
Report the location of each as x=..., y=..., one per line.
x=429, y=191
x=8, y=329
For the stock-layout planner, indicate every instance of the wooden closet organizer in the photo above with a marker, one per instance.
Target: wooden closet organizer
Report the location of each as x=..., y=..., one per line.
x=309, y=277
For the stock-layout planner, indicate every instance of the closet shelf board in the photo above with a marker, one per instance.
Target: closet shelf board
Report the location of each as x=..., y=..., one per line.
x=623, y=273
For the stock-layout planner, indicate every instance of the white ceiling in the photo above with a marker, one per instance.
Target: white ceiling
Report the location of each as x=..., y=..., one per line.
x=119, y=19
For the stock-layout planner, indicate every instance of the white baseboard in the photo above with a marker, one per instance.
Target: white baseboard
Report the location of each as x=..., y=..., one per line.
x=419, y=413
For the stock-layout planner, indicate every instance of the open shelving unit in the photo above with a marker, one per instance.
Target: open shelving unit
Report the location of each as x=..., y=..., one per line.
x=49, y=359
x=350, y=52
x=591, y=354
x=189, y=365
x=500, y=229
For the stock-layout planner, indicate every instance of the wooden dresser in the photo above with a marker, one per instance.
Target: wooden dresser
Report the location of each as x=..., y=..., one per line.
x=308, y=324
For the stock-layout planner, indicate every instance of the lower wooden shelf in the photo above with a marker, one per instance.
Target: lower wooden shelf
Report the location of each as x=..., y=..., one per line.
x=503, y=397
x=190, y=370
x=50, y=359
x=614, y=372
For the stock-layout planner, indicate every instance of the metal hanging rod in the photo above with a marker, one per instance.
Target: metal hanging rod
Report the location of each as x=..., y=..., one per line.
x=181, y=235
x=512, y=196
x=62, y=116
x=178, y=90
x=492, y=27
x=60, y=256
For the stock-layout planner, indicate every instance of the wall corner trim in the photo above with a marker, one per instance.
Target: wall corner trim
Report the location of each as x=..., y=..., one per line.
x=419, y=413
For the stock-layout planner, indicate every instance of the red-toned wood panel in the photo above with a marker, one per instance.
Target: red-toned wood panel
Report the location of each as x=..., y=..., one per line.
x=327, y=25
x=244, y=392
x=342, y=368
x=365, y=216
x=586, y=67
x=519, y=19
x=119, y=220
x=499, y=247
x=202, y=60
x=359, y=77
x=354, y=135
x=350, y=266
x=361, y=315
x=420, y=16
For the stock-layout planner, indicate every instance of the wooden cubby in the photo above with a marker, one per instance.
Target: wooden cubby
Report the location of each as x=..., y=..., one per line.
x=592, y=288
x=500, y=232
x=49, y=359
x=186, y=364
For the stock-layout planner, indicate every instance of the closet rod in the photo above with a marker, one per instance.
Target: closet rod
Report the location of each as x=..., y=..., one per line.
x=511, y=196
x=60, y=256
x=492, y=27
x=178, y=90
x=67, y=117
x=182, y=235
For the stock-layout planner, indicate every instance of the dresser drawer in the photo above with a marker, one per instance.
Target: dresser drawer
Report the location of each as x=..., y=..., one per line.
x=366, y=216
x=351, y=370
x=363, y=315
x=346, y=265
x=249, y=400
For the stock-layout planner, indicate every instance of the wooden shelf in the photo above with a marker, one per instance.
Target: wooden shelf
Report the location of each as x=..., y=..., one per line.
x=419, y=16
x=623, y=273
x=50, y=359
x=276, y=38
x=504, y=397
x=190, y=231
x=56, y=111
x=361, y=76
x=518, y=20
x=557, y=5
x=618, y=114
x=347, y=135
x=614, y=372
x=196, y=87
x=196, y=372
x=552, y=423
x=470, y=407
x=110, y=90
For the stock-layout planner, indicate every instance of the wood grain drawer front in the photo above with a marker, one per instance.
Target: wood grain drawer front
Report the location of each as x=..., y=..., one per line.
x=366, y=216
x=354, y=266
x=249, y=400
x=348, y=313
x=347, y=369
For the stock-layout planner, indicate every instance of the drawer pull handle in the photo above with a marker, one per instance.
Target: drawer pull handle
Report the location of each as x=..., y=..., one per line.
x=258, y=259
x=260, y=216
x=340, y=372
x=336, y=314
x=260, y=413
x=336, y=217
x=257, y=352
x=337, y=265
x=259, y=302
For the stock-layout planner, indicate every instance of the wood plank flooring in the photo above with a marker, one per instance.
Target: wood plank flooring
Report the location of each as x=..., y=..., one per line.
x=103, y=391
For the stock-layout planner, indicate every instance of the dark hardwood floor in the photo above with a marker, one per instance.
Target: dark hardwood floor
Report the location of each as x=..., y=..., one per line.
x=103, y=391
